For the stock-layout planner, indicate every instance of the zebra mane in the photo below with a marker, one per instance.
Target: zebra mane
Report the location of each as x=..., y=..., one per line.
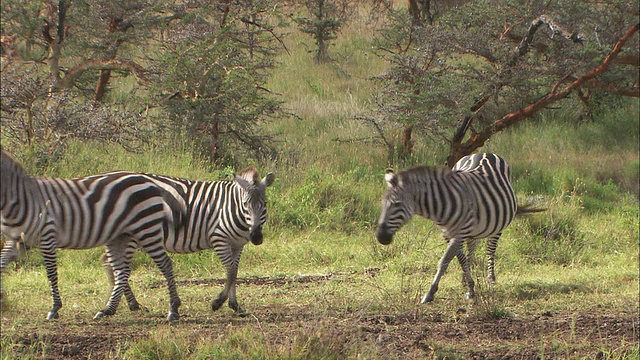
x=421, y=173
x=250, y=174
x=8, y=164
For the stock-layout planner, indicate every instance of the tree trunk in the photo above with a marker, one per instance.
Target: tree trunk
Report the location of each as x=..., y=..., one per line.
x=55, y=17
x=101, y=87
x=214, y=133
x=407, y=144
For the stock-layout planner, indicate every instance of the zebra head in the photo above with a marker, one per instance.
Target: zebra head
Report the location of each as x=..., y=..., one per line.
x=397, y=208
x=14, y=183
x=254, y=200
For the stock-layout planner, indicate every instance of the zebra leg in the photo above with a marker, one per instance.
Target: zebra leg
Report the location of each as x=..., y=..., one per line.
x=454, y=246
x=48, y=251
x=492, y=244
x=471, y=249
x=233, y=301
x=134, y=305
x=155, y=248
x=229, y=291
x=128, y=293
x=7, y=256
x=120, y=271
x=166, y=267
x=467, y=278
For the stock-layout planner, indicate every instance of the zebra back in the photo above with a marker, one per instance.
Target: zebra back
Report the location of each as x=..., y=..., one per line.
x=95, y=210
x=475, y=199
x=223, y=215
x=109, y=209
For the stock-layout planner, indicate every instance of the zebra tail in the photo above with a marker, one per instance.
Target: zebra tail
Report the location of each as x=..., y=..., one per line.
x=528, y=209
x=178, y=210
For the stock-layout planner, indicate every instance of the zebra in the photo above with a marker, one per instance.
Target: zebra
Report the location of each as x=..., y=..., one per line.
x=109, y=209
x=472, y=201
x=223, y=215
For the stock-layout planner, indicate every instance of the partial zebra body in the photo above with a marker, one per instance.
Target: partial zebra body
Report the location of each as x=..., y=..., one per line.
x=109, y=209
x=219, y=215
x=472, y=201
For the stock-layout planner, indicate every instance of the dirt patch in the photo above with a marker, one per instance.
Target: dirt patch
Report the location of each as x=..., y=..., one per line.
x=259, y=280
x=411, y=336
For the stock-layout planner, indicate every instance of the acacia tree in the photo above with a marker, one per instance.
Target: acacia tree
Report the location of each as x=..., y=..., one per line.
x=216, y=66
x=212, y=56
x=64, y=52
x=483, y=66
x=325, y=19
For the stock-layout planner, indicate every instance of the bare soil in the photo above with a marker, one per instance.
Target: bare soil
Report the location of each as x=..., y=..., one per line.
x=417, y=335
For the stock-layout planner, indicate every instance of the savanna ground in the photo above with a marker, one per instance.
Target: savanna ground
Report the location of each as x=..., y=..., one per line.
x=333, y=296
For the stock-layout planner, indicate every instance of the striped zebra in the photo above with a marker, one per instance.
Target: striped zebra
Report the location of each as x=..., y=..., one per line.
x=220, y=215
x=472, y=201
x=109, y=209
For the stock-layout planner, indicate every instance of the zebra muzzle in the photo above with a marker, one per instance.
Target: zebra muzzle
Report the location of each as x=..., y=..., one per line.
x=384, y=236
x=256, y=236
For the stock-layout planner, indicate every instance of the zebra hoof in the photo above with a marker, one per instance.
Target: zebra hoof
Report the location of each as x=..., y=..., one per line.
x=233, y=305
x=427, y=299
x=237, y=309
x=103, y=313
x=99, y=315
x=173, y=317
x=242, y=314
x=134, y=307
x=469, y=296
x=217, y=304
x=52, y=315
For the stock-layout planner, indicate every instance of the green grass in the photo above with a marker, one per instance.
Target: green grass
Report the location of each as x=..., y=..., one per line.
x=329, y=281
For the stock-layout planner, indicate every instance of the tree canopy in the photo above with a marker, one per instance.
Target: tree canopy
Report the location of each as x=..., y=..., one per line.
x=197, y=68
x=458, y=74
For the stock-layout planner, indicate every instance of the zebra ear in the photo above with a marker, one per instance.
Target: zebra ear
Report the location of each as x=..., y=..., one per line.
x=391, y=178
x=268, y=180
x=244, y=183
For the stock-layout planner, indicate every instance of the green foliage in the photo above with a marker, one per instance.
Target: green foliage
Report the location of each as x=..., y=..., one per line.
x=324, y=201
x=158, y=346
x=219, y=77
x=471, y=62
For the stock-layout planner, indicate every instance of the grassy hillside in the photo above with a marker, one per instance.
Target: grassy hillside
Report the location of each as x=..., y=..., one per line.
x=320, y=287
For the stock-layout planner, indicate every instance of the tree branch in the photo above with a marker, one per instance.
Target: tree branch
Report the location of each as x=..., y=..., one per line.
x=92, y=65
x=478, y=141
x=524, y=45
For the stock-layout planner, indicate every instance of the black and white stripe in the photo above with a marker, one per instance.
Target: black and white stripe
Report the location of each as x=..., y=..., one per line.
x=475, y=200
x=109, y=209
x=220, y=215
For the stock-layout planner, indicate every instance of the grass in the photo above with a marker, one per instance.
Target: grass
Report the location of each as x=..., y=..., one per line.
x=323, y=286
